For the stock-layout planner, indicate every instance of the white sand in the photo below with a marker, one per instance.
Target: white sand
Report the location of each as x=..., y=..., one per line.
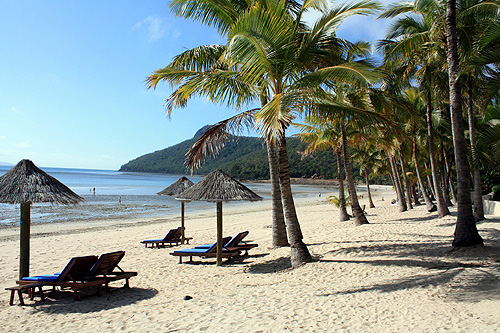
x=393, y=275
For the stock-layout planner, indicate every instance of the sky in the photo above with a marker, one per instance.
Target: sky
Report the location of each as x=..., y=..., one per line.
x=72, y=84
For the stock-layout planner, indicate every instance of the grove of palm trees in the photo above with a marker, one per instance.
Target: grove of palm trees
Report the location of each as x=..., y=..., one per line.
x=421, y=106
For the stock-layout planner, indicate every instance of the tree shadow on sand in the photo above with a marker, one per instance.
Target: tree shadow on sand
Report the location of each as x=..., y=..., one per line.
x=464, y=281
x=63, y=302
x=419, y=219
x=234, y=261
x=271, y=266
x=465, y=274
x=398, y=248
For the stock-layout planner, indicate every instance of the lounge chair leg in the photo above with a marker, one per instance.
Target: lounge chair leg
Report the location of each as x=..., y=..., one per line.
x=21, y=300
x=42, y=296
x=13, y=294
x=76, y=295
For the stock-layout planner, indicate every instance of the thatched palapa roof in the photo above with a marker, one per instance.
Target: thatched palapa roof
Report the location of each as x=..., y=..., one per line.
x=178, y=187
x=219, y=186
x=27, y=183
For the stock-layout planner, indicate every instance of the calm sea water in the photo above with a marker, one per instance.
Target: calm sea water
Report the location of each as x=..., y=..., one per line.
x=119, y=194
x=116, y=194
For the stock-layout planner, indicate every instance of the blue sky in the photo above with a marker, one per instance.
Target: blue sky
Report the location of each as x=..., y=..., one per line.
x=72, y=91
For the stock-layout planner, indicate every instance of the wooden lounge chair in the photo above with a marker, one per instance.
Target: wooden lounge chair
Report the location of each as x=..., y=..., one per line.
x=235, y=244
x=106, y=267
x=73, y=276
x=172, y=237
x=210, y=252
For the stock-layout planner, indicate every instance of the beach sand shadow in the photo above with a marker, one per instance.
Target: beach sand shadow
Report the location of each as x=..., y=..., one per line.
x=471, y=282
x=63, y=302
x=416, y=281
x=397, y=249
x=241, y=260
x=426, y=218
x=271, y=266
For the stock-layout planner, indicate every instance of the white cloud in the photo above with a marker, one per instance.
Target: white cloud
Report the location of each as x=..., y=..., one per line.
x=153, y=26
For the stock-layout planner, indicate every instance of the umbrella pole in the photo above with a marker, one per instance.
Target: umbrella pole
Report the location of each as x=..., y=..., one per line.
x=24, y=254
x=219, y=233
x=183, y=235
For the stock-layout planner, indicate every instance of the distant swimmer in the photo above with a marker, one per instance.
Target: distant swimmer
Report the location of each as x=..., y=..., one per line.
x=94, y=190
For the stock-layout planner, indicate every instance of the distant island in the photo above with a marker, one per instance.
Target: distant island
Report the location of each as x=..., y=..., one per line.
x=243, y=158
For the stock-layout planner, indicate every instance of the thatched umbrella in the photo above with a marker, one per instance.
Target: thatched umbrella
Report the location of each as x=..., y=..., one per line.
x=179, y=186
x=25, y=184
x=218, y=187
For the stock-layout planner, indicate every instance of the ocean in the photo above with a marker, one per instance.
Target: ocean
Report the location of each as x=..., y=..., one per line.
x=120, y=194
x=117, y=194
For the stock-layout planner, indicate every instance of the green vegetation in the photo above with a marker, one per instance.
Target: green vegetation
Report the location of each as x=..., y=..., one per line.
x=243, y=157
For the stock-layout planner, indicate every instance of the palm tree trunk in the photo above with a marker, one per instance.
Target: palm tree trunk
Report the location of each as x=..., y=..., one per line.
x=397, y=184
x=279, y=237
x=299, y=252
x=359, y=216
x=432, y=195
x=478, y=195
x=445, y=181
x=370, y=200
x=431, y=207
x=344, y=216
x=453, y=192
x=406, y=180
x=442, y=208
x=416, y=202
x=466, y=233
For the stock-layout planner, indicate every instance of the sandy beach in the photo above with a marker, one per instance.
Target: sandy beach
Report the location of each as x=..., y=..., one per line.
x=396, y=274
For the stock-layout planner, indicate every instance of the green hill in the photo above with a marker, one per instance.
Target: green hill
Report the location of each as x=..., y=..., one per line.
x=243, y=158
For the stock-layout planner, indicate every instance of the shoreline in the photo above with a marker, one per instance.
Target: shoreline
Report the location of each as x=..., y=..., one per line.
x=113, y=206
x=396, y=273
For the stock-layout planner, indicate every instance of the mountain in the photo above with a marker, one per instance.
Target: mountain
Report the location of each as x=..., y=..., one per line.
x=243, y=158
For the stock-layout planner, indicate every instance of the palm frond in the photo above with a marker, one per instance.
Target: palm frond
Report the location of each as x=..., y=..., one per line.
x=223, y=87
x=217, y=13
x=214, y=139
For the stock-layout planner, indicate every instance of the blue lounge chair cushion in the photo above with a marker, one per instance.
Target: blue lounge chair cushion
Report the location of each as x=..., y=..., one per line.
x=207, y=246
x=45, y=277
x=153, y=240
x=192, y=250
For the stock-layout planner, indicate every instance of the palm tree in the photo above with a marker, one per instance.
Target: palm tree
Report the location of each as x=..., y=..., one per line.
x=367, y=156
x=350, y=110
x=474, y=21
x=466, y=233
x=272, y=55
x=321, y=135
x=285, y=59
x=415, y=44
x=198, y=69
x=415, y=104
